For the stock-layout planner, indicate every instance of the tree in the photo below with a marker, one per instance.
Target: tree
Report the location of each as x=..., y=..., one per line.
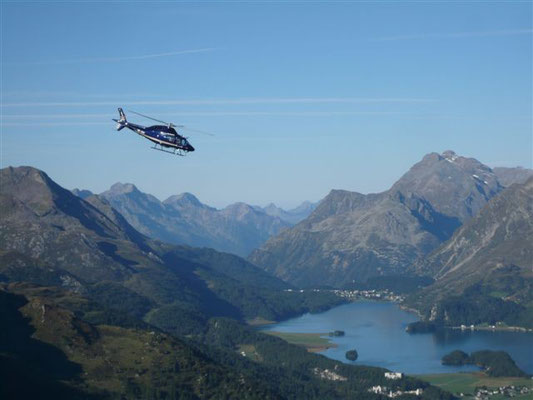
x=352, y=355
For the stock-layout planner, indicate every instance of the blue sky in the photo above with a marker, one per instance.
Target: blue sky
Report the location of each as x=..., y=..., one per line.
x=302, y=97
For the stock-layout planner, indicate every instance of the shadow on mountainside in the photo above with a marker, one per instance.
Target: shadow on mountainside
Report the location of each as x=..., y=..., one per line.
x=30, y=368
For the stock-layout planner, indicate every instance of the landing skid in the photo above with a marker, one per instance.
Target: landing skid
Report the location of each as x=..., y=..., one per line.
x=176, y=152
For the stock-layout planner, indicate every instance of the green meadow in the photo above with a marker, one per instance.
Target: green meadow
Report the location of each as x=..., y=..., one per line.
x=466, y=382
x=313, y=342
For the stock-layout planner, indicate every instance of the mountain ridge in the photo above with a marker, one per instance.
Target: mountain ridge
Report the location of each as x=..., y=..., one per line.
x=184, y=219
x=351, y=237
x=497, y=237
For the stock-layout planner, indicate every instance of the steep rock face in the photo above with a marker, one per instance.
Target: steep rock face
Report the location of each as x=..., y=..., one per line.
x=498, y=239
x=454, y=186
x=143, y=211
x=351, y=236
x=183, y=219
x=44, y=221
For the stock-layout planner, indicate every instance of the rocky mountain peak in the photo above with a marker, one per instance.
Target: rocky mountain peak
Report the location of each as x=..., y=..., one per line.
x=239, y=208
x=455, y=185
x=184, y=199
x=33, y=187
x=123, y=188
x=304, y=206
x=337, y=202
x=271, y=207
x=19, y=175
x=82, y=193
x=449, y=155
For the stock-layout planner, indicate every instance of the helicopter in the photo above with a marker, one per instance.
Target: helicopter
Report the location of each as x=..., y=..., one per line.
x=164, y=137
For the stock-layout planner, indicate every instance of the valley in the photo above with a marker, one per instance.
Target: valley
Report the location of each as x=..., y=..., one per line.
x=377, y=330
x=89, y=284
x=124, y=311
x=266, y=200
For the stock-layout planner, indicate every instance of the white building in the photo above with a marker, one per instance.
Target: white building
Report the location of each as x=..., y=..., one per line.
x=393, y=375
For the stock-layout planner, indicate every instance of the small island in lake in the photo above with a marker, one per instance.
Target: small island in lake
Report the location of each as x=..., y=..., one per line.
x=456, y=357
x=494, y=363
x=352, y=355
x=421, y=327
x=336, y=333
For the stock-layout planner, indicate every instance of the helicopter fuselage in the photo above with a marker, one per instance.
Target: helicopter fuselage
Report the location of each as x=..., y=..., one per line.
x=161, y=135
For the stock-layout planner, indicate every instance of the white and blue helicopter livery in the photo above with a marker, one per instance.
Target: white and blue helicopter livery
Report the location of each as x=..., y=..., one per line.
x=164, y=137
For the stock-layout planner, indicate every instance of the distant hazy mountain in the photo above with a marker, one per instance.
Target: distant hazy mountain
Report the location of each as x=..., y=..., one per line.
x=82, y=193
x=352, y=236
x=292, y=216
x=508, y=176
x=49, y=236
x=183, y=219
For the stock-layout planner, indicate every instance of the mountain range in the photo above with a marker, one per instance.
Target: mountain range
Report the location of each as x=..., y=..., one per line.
x=95, y=309
x=292, y=216
x=89, y=247
x=183, y=219
x=79, y=284
x=351, y=237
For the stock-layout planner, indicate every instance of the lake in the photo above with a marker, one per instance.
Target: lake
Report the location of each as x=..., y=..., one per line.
x=377, y=331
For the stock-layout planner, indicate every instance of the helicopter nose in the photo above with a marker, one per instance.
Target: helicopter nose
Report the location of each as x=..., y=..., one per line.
x=190, y=148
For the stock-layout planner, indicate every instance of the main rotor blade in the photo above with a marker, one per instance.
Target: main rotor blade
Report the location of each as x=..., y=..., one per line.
x=173, y=125
x=153, y=119
x=196, y=130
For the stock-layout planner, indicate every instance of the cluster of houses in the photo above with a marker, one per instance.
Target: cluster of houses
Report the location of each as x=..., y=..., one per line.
x=499, y=326
x=385, y=391
x=393, y=375
x=353, y=295
x=329, y=375
x=507, y=391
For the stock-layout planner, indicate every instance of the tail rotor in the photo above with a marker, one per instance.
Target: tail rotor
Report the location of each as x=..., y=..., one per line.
x=121, y=122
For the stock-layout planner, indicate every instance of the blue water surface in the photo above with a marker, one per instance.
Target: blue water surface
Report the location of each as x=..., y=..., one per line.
x=377, y=331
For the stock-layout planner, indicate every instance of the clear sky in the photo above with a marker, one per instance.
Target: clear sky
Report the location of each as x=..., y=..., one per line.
x=302, y=97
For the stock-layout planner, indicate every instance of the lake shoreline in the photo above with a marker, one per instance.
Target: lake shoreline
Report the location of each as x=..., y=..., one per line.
x=491, y=328
x=377, y=328
x=260, y=322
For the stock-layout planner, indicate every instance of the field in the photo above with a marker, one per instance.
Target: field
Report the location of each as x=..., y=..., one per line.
x=258, y=321
x=313, y=342
x=466, y=382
